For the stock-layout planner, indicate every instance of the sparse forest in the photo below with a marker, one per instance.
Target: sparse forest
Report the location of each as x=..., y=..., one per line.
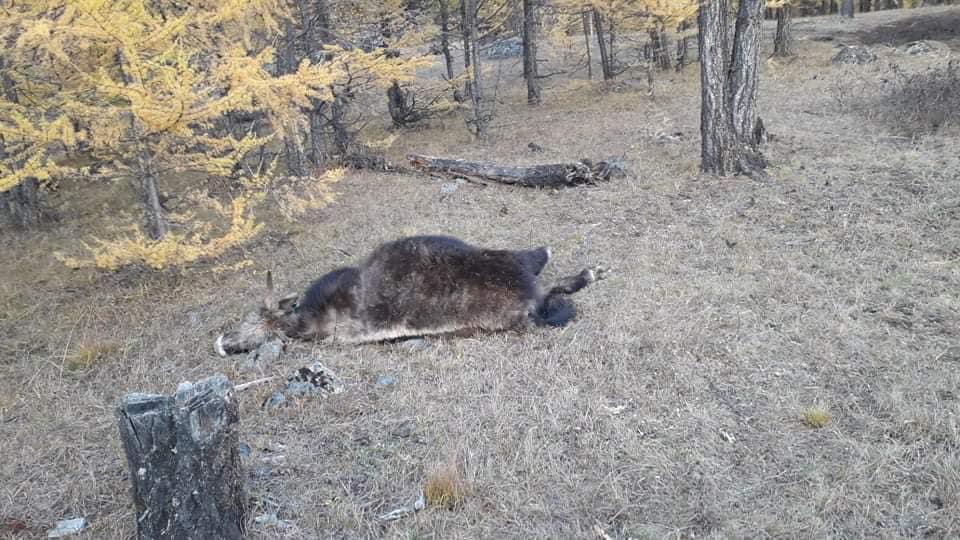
x=771, y=189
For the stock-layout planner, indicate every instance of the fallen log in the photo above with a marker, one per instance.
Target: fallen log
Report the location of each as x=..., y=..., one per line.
x=550, y=175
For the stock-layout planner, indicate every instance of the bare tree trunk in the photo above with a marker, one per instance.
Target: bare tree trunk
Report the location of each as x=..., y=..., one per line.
x=604, y=53
x=846, y=9
x=728, y=117
x=476, y=93
x=530, y=8
x=658, y=45
x=467, y=43
x=783, y=39
x=445, y=37
x=716, y=132
x=865, y=6
x=586, y=37
x=315, y=21
x=286, y=61
x=182, y=452
x=157, y=225
x=744, y=79
x=20, y=205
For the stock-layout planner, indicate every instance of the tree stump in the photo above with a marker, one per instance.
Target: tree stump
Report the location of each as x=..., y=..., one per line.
x=184, y=461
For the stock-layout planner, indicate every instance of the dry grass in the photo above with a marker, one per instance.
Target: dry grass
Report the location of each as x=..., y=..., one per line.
x=669, y=408
x=816, y=417
x=445, y=486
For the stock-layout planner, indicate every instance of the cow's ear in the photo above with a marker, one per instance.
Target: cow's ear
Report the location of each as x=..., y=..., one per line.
x=289, y=302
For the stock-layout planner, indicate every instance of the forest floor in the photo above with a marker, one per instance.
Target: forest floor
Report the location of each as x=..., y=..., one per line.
x=683, y=401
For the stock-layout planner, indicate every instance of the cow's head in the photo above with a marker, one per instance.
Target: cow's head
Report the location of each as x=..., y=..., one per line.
x=274, y=319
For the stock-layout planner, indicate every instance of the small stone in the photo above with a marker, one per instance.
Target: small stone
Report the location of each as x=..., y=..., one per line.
x=299, y=388
x=316, y=376
x=67, y=527
x=386, y=380
x=266, y=353
x=415, y=344
x=245, y=450
x=270, y=519
x=505, y=48
x=952, y=354
x=275, y=400
x=449, y=187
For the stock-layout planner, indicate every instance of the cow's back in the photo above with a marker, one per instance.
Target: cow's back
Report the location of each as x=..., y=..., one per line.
x=435, y=284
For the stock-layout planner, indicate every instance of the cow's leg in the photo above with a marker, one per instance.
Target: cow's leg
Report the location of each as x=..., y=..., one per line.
x=555, y=309
x=569, y=285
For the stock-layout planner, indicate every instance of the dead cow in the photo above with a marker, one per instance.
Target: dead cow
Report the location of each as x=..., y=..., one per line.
x=416, y=286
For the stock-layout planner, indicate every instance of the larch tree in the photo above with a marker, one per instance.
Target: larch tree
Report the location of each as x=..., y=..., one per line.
x=730, y=128
x=139, y=87
x=654, y=17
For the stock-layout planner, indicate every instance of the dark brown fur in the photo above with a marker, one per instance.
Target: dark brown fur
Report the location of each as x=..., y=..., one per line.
x=412, y=287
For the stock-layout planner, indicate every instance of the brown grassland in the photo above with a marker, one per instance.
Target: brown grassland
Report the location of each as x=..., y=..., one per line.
x=768, y=359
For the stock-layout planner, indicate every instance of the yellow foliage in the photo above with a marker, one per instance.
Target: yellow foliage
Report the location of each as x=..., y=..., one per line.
x=307, y=194
x=174, y=249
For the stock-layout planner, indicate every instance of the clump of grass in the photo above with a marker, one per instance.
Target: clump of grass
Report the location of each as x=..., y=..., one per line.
x=445, y=487
x=816, y=417
x=88, y=354
x=924, y=101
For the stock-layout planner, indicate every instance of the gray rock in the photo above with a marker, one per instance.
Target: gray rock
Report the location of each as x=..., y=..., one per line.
x=386, y=380
x=854, y=54
x=415, y=344
x=449, y=187
x=318, y=376
x=277, y=399
x=245, y=450
x=67, y=527
x=300, y=388
x=504, y=48
x=265, y=354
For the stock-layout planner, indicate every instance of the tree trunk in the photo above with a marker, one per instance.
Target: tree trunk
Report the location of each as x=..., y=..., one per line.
x=286, y=62
x=586, y=37
x=184, y=462
x=783, y=39
x=315, y=21
x=551, y=175
x=445, y=38
x=604, y=53
x=659, y=46
x=530, y=9
x=846, y=9
x=476, y=91
x=467, y=44
x=20, y=205
x=865, y=6
x=157, y=225
x=728, y=117
x=744, y=79
x=682, y=45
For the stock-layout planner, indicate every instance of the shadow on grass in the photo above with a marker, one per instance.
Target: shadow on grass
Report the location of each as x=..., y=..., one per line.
x=936, y=27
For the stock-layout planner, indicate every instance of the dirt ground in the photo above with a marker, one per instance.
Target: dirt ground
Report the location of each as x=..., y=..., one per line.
x=678, y=404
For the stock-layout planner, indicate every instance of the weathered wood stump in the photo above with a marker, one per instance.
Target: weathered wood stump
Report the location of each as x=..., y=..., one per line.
x=184, y=461
x=549, y=175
